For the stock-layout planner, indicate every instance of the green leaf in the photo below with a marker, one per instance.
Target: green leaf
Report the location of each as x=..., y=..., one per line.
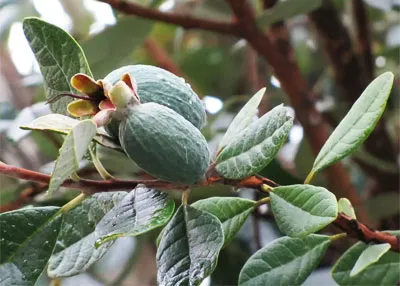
x=52, y=122
x=189, y=247
x=242, y=119
x=369, y=256
x=344, y=206
x=142, y=210
x=386, y=271
x=59, y=57
x=63, y=124
x=356, y=126
x=302, y=209
x=27, y=240
x=232, y=213
x=283, y=10
x=107, y=50
x=251, y=150
x=71, y=152
x=285, y=261
x=75, y=251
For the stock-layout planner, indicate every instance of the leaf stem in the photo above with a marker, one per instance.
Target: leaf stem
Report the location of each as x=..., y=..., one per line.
x=338, y=236
x=266, y=188
x=72, y=203
x=185, y=196
x=309, y=177
x=99, y=166
x=263, y=201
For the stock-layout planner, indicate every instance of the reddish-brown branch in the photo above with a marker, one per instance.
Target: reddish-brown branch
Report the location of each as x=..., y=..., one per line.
x=184, y=21
x=359, y=231
x=87, y=186
x=352, y=227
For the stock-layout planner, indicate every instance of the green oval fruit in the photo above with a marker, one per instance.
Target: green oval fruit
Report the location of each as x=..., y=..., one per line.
x=164, y=144
x=160, y=86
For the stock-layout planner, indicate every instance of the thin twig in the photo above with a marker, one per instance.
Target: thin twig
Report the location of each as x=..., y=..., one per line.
x=184, y=21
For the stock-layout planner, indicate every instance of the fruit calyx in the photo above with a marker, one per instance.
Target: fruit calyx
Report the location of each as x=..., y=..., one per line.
x=100, y=99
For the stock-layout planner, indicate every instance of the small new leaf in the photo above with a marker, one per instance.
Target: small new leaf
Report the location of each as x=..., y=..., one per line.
x=303, y=209
x=345, y=206
x=251, y=150
x=357, y=125
x=189, y=247
x=369, y=256
x=71, y=152
x=59, y=56
x=242, y=119
x=27, y=240
x=285, y=261
x=232, y=213
x=142, y=210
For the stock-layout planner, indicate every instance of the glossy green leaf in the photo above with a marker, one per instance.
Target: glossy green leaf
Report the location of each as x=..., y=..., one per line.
x=107, y=50
x=232, y=213
x=71, y=152
x=285, y=261
x=303, y=209
x=75, y=251
x=251, y=150
x=359, y=122
x=62, y=124
x=345, y=206
x=59, y=57
x=283, y=10
x=189, y=247
x=386, y=271
x=242, y=119
x=369, y=256
x=142, y=210
x=27, y=240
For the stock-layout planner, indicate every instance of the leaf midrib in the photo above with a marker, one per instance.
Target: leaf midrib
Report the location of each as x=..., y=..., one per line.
x=9, y=259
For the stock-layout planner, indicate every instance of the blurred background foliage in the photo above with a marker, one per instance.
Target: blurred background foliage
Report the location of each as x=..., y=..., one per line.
x=225, y=72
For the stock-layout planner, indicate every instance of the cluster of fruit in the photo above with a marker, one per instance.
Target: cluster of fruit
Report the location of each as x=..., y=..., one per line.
x=156, y=117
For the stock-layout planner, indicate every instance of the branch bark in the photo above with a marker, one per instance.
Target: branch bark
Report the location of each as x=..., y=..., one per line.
x=184, y=21
x=357, y=230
